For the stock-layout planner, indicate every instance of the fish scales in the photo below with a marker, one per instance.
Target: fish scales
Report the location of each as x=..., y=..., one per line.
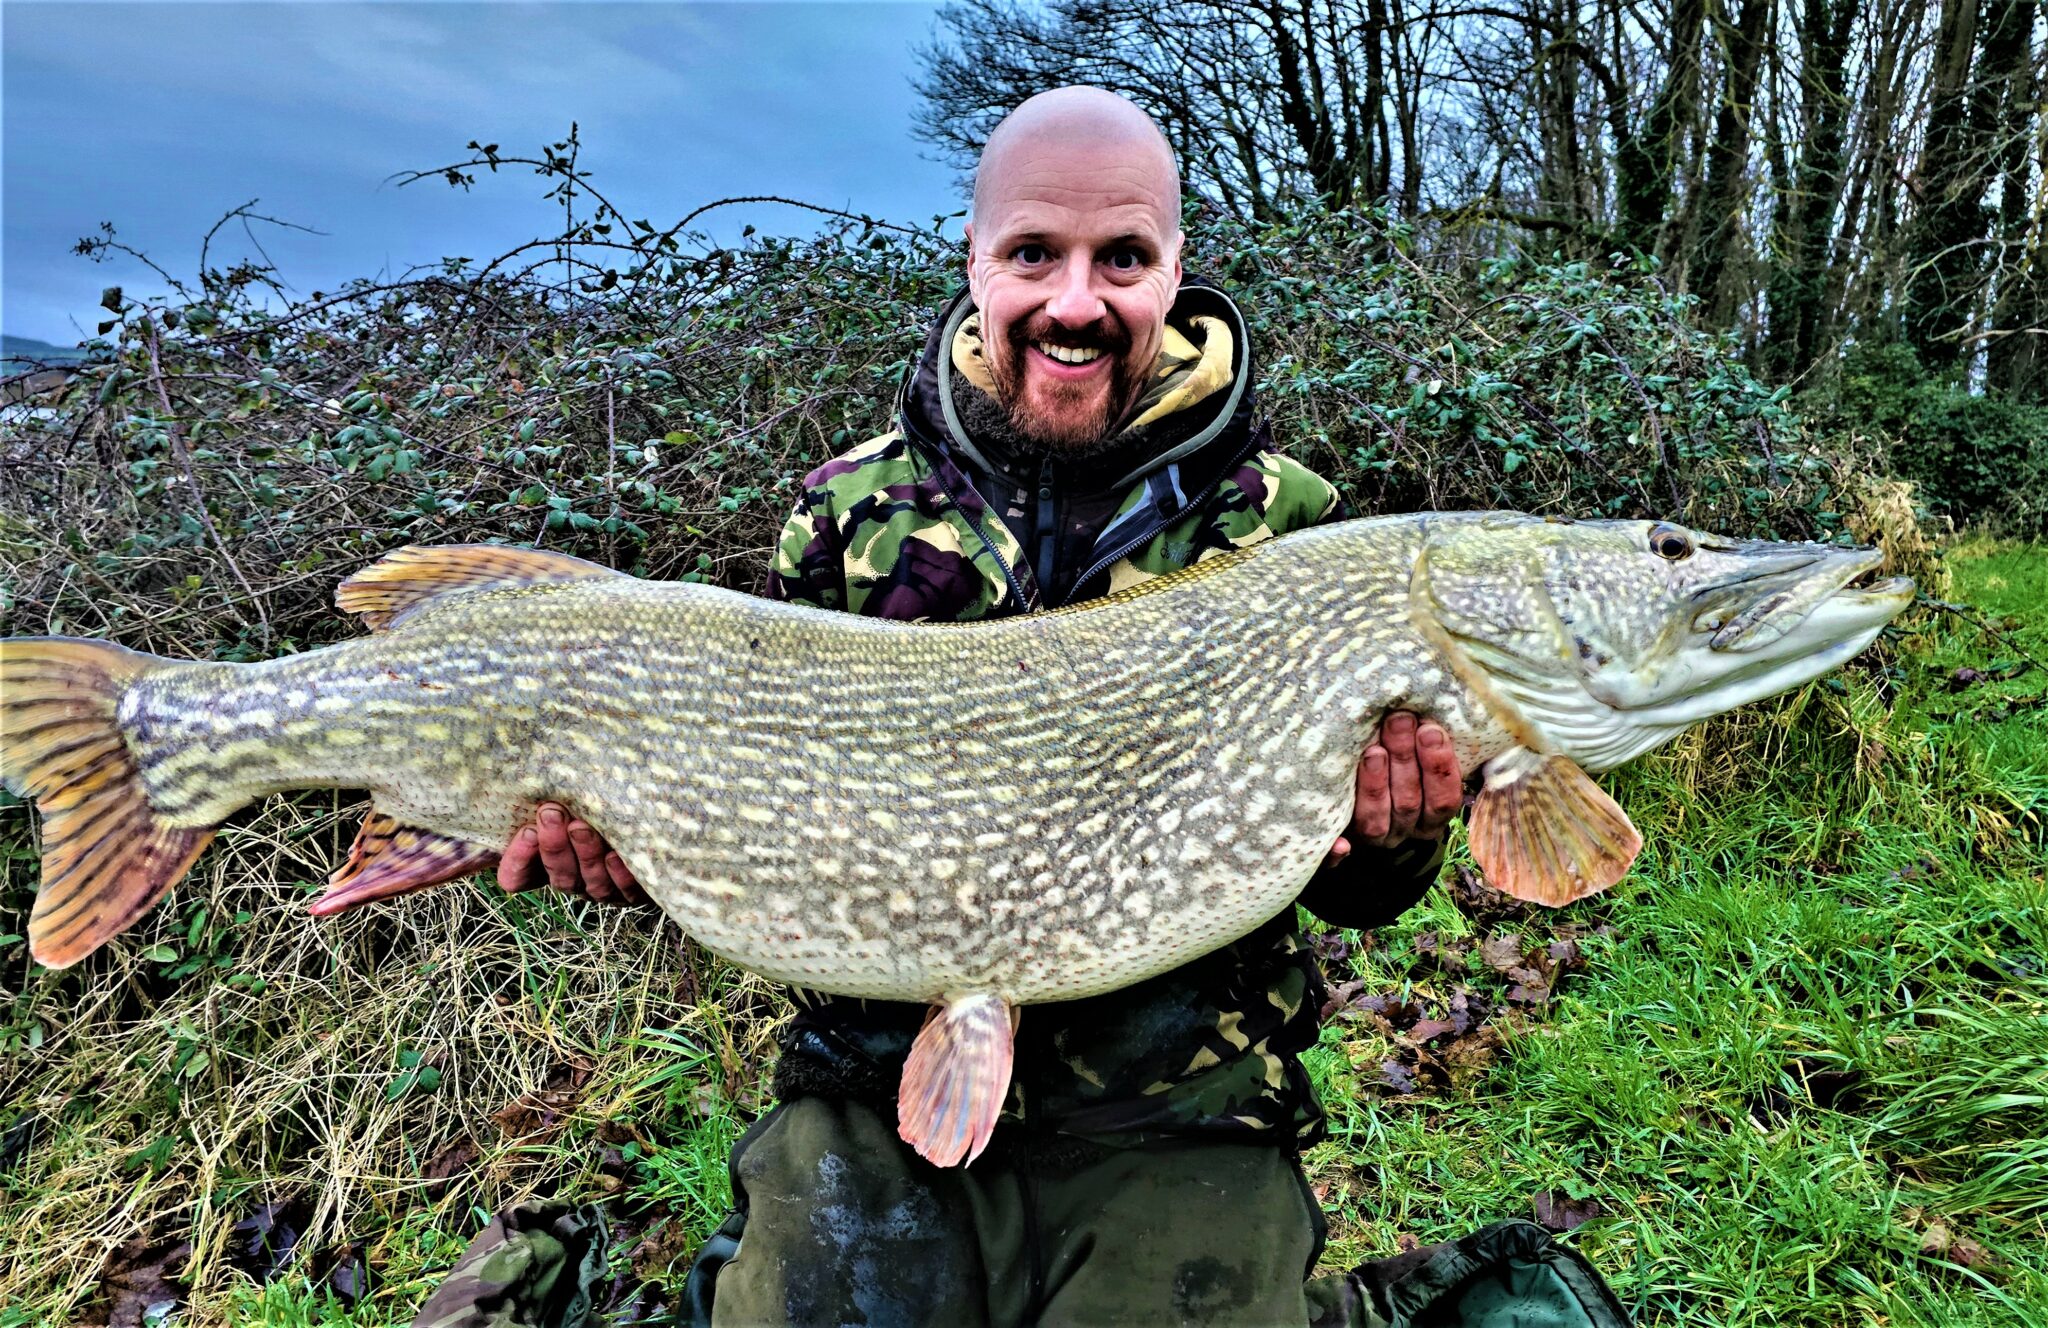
x=1032, y=805
x=980, y=816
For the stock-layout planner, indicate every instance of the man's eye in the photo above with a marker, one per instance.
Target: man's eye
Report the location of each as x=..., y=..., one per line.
x=1031, y=254
x=1126, y=260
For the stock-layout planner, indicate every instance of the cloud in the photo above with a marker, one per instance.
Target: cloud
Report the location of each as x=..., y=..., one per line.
x=193, y=108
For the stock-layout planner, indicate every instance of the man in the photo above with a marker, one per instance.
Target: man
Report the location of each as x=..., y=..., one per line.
x=1082, y=419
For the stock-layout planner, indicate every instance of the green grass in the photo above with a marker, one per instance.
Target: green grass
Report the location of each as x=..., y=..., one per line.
x=1825, y=889
x=1837, y=884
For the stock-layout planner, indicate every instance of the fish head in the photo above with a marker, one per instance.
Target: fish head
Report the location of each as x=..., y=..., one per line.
x=1610, y=637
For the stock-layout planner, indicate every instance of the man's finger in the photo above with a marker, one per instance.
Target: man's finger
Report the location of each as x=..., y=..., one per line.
x=623, y=879
x=555, y=853
x=517, y=864
x=1338, y=852
x=1397, y=735
x=1404, y=776
x=589, y=851
x=1374, y=808
x=590, y=865
x=1443, y=789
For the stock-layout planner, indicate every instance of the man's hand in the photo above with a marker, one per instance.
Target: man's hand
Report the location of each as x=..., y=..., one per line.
x=1409, y=787
x=571, y=857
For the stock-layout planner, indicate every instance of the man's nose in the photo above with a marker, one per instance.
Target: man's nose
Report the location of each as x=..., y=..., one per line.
x=1076, y=303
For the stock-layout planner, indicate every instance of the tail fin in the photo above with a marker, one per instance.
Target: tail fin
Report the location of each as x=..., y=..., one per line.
x=106, y=856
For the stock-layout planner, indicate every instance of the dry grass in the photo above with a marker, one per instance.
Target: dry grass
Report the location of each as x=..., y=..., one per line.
x=269, y=1070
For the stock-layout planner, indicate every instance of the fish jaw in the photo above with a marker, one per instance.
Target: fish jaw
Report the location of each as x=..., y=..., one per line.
x=1756, y=637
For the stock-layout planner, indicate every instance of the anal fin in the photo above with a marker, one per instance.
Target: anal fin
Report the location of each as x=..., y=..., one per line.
x=1543, y=831
x=957, y=1078
x=391, y=859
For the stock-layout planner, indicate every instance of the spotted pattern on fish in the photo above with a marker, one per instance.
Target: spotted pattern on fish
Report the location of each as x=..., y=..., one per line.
x=1041, y=807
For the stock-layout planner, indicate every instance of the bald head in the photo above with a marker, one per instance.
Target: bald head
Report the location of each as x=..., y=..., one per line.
x=1073, y=260
x=1068, y=123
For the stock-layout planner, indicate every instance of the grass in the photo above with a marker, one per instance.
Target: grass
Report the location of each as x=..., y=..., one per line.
x=1812, y=1054
x=1803, y=1071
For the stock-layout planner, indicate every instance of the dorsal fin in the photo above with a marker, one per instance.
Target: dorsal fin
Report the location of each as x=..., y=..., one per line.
x=400, y=582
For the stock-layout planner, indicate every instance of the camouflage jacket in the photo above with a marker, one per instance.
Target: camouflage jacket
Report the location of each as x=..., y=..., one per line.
x=947, y=519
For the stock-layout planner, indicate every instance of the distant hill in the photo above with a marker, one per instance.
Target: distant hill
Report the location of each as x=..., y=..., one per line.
x=20, y=354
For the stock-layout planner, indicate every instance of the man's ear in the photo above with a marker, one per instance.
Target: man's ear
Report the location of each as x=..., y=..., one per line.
x=973, y=268
x=1179, y=238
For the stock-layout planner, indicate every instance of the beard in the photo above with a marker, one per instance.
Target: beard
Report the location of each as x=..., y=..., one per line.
x=1066, y=419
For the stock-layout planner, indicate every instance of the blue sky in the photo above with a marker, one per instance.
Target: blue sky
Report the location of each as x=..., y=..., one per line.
x=159, y=117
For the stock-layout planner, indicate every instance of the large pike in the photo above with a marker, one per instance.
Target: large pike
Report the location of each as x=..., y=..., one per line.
x=981, y=816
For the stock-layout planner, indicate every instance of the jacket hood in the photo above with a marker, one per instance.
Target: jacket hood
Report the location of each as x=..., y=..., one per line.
x=1197, y=399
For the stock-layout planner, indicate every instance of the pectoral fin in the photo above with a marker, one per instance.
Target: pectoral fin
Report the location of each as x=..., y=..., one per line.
x=390, y=859
x=956, y=1079
x=1543, y=831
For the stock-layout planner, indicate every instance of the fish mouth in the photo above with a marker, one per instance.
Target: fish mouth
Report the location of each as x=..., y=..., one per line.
x=1817, y=596
x=1784, y=620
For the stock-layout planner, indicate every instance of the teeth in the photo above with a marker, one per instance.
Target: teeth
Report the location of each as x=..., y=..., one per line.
x=1067, y=354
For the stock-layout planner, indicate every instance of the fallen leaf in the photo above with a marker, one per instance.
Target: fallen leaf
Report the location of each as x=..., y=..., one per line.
x=1502, y=952
x=449, y=1165
x=1341, y=995
x=349, y=1279
x=1482, y=903
x=1561, y=1212
x=263, y=1242
x=1531, y=986
x=1940, y=1241
x=1468, y=1010
x=544, y=1109
x=138, y=1284
x=1332, y=950
x=1464, y=1060
x=1397, y=1077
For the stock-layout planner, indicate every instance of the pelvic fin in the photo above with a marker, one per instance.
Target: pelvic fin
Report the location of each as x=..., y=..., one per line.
x=957, y=1078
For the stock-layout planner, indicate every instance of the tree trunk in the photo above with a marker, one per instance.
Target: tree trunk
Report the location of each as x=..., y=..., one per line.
x=1944, y=251
x=1646, y=161
x=1722, y=198
x=2019, y=311
x=1798, y=285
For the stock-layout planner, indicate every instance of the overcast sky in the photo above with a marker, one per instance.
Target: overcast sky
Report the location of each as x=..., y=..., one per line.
x=159, y=117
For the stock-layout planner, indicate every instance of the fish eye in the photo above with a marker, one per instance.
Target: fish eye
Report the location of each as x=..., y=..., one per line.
x=1670, y=542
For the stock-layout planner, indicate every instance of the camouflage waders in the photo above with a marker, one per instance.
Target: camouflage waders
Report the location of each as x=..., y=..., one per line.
x=844, y=1224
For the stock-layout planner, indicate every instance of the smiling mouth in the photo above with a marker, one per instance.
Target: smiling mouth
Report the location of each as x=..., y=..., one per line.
x=1069, y=355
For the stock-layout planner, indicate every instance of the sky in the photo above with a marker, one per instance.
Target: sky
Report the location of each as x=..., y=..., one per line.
x=160, y=117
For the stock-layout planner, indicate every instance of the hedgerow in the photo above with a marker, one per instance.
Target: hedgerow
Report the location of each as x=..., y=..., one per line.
x=650, y=399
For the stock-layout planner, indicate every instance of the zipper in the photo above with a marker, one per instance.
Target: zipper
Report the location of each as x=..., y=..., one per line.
x=1009, y=576
x=1256, y=438
x=1045, y=527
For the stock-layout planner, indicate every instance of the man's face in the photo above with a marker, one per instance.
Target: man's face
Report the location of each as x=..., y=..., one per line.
x=1073, y=260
